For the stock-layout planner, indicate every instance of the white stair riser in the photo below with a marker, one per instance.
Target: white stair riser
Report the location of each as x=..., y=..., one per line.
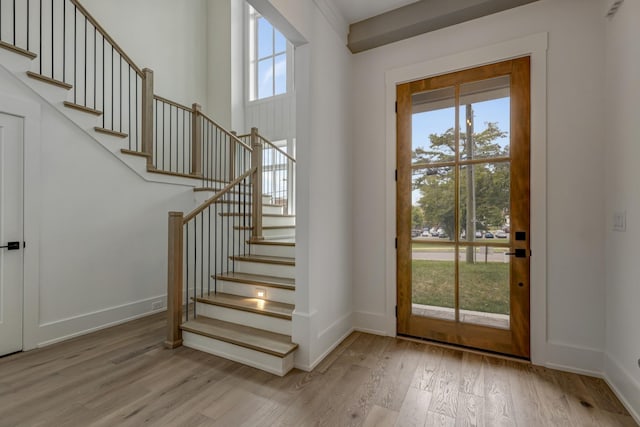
x=266, y=200
x=268, y=221
x=254, y=320
x=266, y=362
x=272, y=210
x=273, y=250
x=264, y=269
x=279, y=233
x=250, y=290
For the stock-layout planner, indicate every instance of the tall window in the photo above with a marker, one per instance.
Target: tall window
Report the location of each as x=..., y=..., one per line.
x=268, y=58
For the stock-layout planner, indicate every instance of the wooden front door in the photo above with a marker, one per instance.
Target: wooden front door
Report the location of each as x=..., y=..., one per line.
x=463, y=207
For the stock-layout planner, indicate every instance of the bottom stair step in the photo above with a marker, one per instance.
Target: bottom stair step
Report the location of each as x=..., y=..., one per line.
x=264, y=350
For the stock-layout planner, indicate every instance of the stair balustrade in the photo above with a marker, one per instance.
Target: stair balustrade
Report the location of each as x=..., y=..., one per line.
x=202, y=246
x=72, y=50
x=278, y=170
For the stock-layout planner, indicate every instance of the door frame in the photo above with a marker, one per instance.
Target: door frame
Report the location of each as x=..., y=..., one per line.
x=534, y=46
x=30, y=112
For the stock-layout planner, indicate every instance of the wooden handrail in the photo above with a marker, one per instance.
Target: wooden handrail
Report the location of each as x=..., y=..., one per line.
x=265, y=140
x=107, y=37
x=168, y=101
x=235, y=138
x=217, y=196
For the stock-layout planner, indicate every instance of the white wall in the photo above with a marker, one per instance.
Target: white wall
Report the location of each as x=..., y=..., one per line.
x=98, y=229
x=167, y=36
x=575, y=254
x=322, y=317
x=622, y=175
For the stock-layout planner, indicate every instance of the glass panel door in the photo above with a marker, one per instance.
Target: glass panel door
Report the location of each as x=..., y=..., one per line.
x=463, y=208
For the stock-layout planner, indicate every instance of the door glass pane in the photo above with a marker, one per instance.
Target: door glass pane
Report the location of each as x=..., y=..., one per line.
x=433, y=200
x=433, y=125
x=484, y=202
x=484, y=119
x=433, y=280
x=484, y=285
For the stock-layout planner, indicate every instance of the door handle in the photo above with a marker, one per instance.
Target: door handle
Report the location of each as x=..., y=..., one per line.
x=11, y=246
x=518, y=253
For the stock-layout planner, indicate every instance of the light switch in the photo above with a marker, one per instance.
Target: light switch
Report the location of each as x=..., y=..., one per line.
x=619, y=221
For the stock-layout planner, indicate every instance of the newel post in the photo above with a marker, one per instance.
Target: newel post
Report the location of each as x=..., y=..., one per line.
x=147, y=115
x=233, y=148
x=256, y=162
x=196, y=140
x=174, y=281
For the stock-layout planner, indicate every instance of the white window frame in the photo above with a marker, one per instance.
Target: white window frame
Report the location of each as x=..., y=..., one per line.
x=251, y=53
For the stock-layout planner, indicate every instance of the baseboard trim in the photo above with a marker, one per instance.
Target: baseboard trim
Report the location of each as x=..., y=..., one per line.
x=579, y=360
x=371, y=323
x=623, y=385
x=65, y=329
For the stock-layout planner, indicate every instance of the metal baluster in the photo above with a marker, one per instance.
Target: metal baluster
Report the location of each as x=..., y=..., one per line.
x=209, y=253
x=136, y=78
x=95, y=67
x=164, y=109
x=85, y=61
x=103, y=83
x=157, y=135
x=195, y=261
x=120, y=92
x=75, y=54
x=186, y=255
x=113, y=126
x=28, y=13
x=40, y=36
x=201, y=253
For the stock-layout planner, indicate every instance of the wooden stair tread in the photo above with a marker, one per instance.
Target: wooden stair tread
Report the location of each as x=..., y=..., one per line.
x=265, y=259
x=256, y=339
x=253, y=305
x=18, y=50
x=49, y=80
x=258, y=279
x=273, y=242
x=110, y=132
x=249, y=214
x=265, y=227
x=82, y=108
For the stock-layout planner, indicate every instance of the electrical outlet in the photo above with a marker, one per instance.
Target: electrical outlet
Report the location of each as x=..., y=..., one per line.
x=619, y=221
x=157, y=305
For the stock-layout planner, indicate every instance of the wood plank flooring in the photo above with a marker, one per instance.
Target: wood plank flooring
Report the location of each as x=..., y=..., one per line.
x=122, y=376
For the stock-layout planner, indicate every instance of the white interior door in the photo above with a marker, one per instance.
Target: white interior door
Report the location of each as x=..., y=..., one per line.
x=11, y=230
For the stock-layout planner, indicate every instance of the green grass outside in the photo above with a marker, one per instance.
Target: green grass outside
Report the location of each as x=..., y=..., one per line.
x=483, y=287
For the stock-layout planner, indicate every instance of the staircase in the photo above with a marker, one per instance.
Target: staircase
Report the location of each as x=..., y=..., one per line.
x=231, y=278
x=248, y=319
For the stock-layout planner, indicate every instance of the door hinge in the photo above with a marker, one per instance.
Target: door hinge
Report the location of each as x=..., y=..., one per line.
x=396, y=175
x=396, y=311
x=396, y=107
x=396, y=243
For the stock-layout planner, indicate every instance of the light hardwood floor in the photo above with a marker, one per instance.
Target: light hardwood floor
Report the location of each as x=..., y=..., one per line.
x=123, y=376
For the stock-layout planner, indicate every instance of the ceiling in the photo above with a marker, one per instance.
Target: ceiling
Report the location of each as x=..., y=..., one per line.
x=358, y=10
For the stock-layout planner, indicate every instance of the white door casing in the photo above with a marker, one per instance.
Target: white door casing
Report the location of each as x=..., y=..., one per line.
x=11, y=230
